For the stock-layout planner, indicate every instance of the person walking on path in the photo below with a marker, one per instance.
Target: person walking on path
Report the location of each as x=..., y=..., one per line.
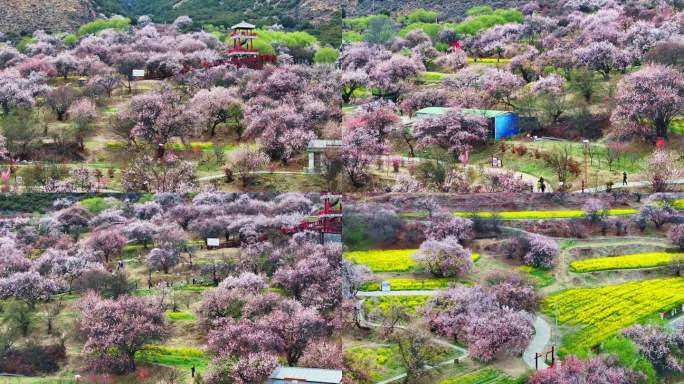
x=624, y=178
x=542, y=185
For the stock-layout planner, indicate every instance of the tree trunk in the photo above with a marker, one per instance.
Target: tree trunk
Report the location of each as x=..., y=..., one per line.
x=661, y=127
x=346, y=95
x=130, y=356
x=408, y=142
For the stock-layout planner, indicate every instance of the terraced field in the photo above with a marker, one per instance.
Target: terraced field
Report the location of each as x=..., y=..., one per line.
x=389, y=260
x=407, y=284
x=539, y=215
x=637, y=260
x=598, y=313
x=180, y=357
x=385, y=360
x=481, y=376
x=411, y=303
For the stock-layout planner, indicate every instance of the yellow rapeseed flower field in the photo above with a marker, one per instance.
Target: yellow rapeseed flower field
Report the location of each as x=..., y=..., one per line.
x=384, y=260
x=408, y=284
x=677, y=204
x=388, y=260
x=601, y=312
x=637, y=260
x=538, y=215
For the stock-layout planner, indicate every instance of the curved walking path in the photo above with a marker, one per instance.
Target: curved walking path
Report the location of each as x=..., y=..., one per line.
x=676, y=322
x=221, y=176
x=528, y=178
x=542, y=335
x=630, y=184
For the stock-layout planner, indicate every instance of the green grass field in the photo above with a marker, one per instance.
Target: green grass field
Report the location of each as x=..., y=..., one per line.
x=410, y=303
x=181, y=316
x=179, y=357
x=385, y=361
x=481, y=376
x=540, y=277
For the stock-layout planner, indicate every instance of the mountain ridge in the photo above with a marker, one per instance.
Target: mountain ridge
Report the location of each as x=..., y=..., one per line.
x=25, y=16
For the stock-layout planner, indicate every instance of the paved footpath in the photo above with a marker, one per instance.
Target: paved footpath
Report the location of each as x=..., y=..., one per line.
x=677, y=322
x=631, y=184
x=542, y=335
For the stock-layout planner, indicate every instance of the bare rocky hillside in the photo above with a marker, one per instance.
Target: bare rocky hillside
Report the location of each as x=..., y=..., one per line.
x=25, y=16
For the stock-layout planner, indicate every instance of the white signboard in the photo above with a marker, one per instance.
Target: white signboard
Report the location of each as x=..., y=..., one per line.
x=213, y=242
x=138, y=73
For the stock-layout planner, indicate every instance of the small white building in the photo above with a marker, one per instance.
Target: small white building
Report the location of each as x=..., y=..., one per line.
x=285, y=375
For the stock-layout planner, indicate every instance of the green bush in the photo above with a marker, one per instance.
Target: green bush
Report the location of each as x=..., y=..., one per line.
x=360, y=24
x=70, y=40
x=432, y=29
x=95, y=205
x=421, y=15
x=24, y=42
x=326, y=55
x=42, y=201
x=480, y=10
x=352, y=36
x=120, y=23
x=37, y=175
x=290, y=39
x=628, y=355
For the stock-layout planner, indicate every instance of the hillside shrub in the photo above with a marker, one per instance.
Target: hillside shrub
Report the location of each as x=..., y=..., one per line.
x=32, y=359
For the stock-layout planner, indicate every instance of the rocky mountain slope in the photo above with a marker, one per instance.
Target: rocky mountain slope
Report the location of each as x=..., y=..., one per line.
x=451, y=9
x=25, y=16
x=224, y=11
